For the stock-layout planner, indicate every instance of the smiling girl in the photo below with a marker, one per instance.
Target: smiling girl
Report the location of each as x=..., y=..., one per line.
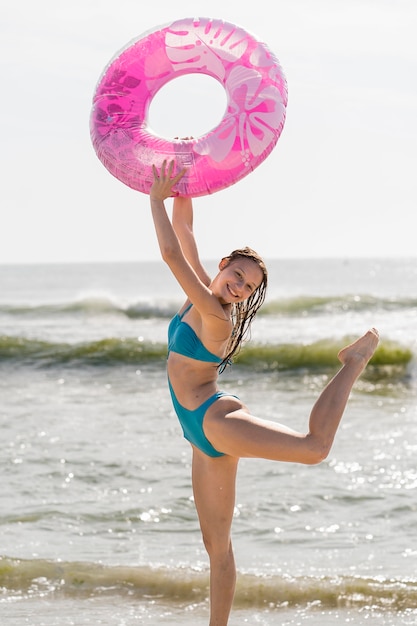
x=202, y=339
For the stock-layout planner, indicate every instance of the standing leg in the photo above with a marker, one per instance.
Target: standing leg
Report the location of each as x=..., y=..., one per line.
x=214, y=481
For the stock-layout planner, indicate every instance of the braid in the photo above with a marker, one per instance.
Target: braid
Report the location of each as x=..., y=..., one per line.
x=244, y=312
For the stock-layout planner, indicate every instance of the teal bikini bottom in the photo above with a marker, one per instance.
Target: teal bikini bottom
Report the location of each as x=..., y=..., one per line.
x=192, y=422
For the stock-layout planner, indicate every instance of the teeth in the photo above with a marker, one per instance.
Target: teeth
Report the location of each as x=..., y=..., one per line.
x=232, y=293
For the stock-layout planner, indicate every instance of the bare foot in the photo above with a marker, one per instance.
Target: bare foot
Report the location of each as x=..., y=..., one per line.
x=360, y=350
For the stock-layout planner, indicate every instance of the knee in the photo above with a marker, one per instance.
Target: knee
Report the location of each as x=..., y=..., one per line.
x=317, y=457
x=217, y=547
x=318, y=451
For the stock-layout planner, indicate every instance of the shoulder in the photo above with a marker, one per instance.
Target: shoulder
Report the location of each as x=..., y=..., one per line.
x=217, y=324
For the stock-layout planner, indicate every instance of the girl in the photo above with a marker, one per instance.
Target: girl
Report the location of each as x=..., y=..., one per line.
x=202, y=338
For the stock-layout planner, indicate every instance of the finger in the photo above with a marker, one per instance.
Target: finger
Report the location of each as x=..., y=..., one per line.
x=179, y=176
x=171, y=168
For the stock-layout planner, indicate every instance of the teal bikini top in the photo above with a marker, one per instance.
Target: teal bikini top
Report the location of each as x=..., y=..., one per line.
x=183, y=340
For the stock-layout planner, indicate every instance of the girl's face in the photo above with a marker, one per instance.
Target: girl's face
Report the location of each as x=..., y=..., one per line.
x=237, y=280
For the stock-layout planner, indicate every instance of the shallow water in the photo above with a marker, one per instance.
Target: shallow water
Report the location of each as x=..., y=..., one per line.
x=97, y=519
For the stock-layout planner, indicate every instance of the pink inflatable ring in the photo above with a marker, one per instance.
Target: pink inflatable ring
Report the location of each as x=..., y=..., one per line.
x=256, y=94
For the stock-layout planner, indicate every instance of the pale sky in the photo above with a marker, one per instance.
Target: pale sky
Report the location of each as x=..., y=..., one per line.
x=341, y=181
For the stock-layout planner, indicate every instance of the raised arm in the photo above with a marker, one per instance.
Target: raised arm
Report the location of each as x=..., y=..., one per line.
x=172, y=253
x=182, y=221
x=162, y=189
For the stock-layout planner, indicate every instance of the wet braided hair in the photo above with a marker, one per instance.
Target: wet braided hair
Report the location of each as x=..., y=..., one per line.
x=243, y=312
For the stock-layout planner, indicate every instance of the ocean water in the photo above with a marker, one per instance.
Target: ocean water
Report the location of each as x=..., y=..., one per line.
x=97, y=521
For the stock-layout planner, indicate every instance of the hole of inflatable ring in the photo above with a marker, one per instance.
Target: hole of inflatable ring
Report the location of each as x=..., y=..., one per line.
x=187, y=106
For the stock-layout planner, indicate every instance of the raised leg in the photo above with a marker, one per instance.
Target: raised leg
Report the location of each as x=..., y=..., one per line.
x=232, y=430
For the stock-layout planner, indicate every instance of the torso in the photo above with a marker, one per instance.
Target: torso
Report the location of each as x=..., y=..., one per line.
x=192, y=366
